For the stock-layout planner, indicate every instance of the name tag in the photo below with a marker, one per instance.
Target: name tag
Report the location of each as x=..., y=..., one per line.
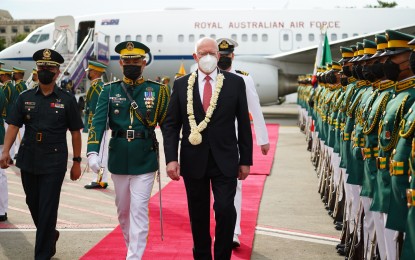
x=117, y=99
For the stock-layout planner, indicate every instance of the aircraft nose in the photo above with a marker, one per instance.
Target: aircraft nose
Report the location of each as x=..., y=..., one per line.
x=10, y=53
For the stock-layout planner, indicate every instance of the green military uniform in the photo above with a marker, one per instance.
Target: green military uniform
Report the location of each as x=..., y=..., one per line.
x=3, y=103
x=20, y=84
x=131, y=148
x=93, y=94
x=9, y=91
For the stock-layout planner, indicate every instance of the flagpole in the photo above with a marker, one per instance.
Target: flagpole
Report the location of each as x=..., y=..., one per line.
x=317, y=61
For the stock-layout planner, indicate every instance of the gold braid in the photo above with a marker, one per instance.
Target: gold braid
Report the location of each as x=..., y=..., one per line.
x=351, y=109
x=410, y=130
x=379, y=111
x=395, y=131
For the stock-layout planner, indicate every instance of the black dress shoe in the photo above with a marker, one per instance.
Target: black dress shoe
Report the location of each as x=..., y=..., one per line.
x=56, y=240
x=341, y=251
x=3, y=217
x=340, y=246
x=96, y=185
x=338, y=227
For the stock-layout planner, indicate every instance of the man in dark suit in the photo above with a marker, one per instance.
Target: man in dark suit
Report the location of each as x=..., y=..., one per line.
x=204, y=105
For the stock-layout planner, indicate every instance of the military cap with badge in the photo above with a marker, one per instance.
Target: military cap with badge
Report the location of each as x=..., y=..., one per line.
x=226, y=47
x=95, y=65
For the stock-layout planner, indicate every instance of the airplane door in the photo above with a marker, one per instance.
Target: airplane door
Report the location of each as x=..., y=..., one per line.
x=286, y=40
x=83, y=29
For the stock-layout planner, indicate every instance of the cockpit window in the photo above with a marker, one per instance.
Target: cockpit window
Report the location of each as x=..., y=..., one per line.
x=34, y=38
x=43, y=37
x=38, y=38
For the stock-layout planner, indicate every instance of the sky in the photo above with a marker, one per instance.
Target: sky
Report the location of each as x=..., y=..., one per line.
x=38, y=9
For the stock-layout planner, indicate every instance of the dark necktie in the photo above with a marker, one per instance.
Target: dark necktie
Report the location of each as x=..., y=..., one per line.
x=207, y=93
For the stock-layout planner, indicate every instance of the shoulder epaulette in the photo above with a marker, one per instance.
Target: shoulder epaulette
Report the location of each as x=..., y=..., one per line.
x=242, y=72
x=152, y=81
x=111, y=82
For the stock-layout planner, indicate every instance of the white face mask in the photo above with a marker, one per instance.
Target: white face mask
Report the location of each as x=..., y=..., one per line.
x=208, y=63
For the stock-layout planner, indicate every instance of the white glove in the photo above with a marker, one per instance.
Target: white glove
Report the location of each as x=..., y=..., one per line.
x=93, y=162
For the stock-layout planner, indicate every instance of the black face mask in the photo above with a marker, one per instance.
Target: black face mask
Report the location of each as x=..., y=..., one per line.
x=45, y=76
x=412, y=62
x=132, y=72
x=344, y=81
x=347, y=71
x=225, y=63
x=331, y=78
x=367, y=73
x=377, y=70
x=391, y=69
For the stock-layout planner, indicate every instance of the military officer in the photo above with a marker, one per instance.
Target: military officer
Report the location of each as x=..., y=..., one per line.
x=94, y=73
x=132, y=107
x=408, y=248
x=47, y=112
x=226, y=49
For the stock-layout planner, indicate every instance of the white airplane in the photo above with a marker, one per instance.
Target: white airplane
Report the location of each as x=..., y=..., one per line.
x=274, y=45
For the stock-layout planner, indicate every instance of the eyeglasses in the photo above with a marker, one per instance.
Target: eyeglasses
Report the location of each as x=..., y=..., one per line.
x=204, y=53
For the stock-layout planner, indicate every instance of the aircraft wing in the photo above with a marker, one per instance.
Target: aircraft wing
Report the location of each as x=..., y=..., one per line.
x=304, y=58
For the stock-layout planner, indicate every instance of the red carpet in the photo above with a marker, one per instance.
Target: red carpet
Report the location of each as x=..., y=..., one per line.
x=177, y=242
x=263, y=164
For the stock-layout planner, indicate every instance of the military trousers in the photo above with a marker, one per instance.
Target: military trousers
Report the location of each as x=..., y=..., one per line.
x=132, y=194
x=4, y=195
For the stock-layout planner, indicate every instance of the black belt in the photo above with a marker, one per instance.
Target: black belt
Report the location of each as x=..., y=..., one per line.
x=129, y=134
x=42, y=137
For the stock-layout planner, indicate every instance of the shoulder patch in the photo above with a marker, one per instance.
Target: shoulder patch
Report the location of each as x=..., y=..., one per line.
x=242, y=72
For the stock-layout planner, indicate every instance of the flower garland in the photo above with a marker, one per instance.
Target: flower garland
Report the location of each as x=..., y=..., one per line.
x=195, y=137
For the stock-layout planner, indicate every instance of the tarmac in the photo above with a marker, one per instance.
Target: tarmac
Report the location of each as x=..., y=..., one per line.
x=292, y=221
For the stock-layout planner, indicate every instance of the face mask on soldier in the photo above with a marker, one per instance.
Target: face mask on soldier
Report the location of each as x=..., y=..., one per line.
x=412, y=62
x=358, y=72
x=391, y=69
x=377, y=69
x=347, y=71
x=45, y=76
x=132, y=72
x=344, y=81
x=224, y=62
x=367, y=73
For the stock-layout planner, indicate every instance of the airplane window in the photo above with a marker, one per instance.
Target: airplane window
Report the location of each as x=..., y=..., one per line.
x=117, y=38
x=43, y=37
x=34, y=38
x=265, y=37
x=234, y=37
x=138, y=38
x=128, y=37
x=107, y=39
x=254, y=37
x=285, y=37
x=298, y=37
x=333, y=36
x=244, y=37
x=213, y=36
x=344, y=35
x=202, y=36
x=181, y=38
x=311, y=37
x=159, y=38
x=2, y=29
x=191, y=38
x=149, y=38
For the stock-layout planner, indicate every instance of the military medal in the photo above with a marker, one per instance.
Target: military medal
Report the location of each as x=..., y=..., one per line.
x=149, y=97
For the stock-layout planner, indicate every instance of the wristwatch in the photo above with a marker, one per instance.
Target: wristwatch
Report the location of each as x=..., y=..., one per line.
x=77, y=159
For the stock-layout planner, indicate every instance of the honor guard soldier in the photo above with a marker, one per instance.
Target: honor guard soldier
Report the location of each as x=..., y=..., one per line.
x=35, y=80
x=94, y=73
x=226, y=51
x=132, y=108
x=395, y=135
x=19, y=83
x=48, y=112
x=408, y=248
x=4, y=196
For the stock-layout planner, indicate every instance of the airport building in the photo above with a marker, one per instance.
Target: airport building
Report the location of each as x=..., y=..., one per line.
x=10, y=28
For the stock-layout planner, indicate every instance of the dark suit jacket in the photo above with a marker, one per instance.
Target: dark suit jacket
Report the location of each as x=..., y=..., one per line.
x=219, y=136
